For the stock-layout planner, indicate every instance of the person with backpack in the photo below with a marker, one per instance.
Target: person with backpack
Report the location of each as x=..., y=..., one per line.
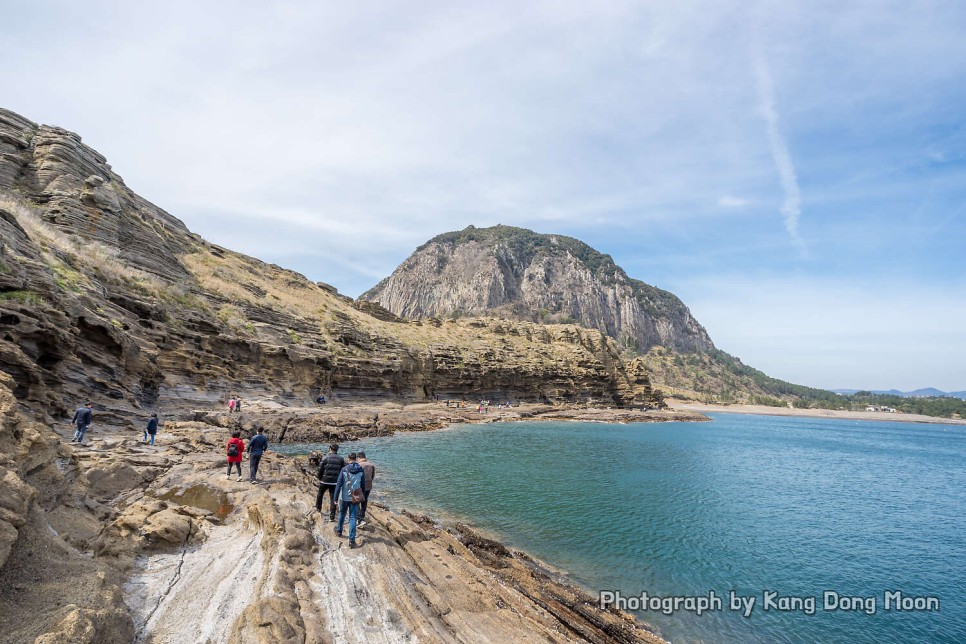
x=350, y=490
x=151, y=429
x=370, y=472
x=328, y=474
x=81, y=421
x=235, y=450
x=257, y=446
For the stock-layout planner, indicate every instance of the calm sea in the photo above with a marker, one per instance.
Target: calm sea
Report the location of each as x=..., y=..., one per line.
x=746, y=504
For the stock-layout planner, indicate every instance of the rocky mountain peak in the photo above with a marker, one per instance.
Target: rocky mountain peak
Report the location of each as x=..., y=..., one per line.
x=515, y=273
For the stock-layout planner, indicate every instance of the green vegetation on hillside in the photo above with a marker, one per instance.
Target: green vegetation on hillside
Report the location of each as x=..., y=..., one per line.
x=942, y=406
x=718, y=377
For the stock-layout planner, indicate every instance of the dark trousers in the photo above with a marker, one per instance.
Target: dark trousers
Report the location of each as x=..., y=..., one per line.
x=253, y=464
x=229, y=467
x=365, y=504
x=321, y=495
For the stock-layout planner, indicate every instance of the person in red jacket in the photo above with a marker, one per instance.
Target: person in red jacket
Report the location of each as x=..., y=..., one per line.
x=239, y=449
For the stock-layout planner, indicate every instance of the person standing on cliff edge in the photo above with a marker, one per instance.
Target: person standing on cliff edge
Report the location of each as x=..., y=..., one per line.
x=81, y=421
x=328, y=474
x=256, y=447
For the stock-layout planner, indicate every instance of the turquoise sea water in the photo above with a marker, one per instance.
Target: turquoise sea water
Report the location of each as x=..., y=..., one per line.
x=749, y=504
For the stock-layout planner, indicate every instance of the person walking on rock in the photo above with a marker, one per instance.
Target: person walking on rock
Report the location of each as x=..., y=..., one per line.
x=256, y=447
x=238, y=404
x=231, y=404
x=151, y=429
x=370, y=471
x=349, y=490
x=328, y=474
x=81, y=421
x=235, y=450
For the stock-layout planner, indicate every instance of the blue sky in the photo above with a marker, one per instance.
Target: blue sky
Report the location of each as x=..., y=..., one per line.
x=795, y=172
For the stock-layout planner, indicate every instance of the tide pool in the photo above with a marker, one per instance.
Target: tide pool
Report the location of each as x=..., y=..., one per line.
x=836, y=529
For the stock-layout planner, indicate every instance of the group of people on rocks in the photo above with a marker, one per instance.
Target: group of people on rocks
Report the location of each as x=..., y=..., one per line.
x=348, y=481
x=84, y=418
x=482, y=408
x=234, y=404
x=256, y=448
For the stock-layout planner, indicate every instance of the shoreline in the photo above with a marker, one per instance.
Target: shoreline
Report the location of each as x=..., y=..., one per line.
x=156, y=543
x=763, y=410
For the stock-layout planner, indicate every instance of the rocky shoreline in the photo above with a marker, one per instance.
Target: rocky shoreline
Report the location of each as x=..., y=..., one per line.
x=118, y=541
x=357, y=420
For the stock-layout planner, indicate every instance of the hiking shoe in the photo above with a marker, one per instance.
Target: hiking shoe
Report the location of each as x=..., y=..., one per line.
x=239, y=478
x=361, y=523
x=336, y=531
x=353, y=544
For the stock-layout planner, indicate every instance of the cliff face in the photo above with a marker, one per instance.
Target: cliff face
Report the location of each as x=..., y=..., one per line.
x=106, y=296
x=518, y=274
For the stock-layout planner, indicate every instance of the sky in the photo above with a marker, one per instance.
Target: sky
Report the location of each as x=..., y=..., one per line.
x=794, y=171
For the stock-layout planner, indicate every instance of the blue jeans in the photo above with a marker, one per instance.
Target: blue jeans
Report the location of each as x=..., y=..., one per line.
x=79, y=434
x=353, y=508
x=146, y=437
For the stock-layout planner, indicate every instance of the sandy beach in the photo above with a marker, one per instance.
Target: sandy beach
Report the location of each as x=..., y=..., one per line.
x=689, y=406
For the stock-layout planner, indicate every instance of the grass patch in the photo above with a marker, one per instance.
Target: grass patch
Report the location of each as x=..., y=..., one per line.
x=23, y=297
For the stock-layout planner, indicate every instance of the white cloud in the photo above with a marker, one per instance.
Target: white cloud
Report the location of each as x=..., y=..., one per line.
x=791, y=208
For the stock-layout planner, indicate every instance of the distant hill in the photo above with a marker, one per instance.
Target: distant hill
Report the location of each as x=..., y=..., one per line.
x=929, y=392
x=517, y=274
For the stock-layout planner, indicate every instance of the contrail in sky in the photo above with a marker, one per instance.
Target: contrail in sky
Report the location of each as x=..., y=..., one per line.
x=792, y=206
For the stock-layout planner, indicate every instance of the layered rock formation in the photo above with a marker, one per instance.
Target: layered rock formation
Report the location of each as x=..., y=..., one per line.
x=106, y=296
x=518, y=274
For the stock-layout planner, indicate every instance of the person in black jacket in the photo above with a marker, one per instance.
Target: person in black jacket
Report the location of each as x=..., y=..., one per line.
x=328, y=474
x=151, y=429
x=81, y=421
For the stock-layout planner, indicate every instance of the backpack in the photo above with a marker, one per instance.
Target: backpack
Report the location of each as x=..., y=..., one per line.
x=233, y=449
x=354, y=483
